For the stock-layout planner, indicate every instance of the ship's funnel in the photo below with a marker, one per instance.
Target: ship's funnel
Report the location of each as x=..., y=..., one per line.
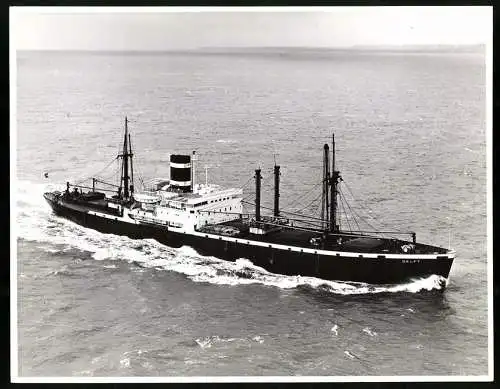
x=180, y=172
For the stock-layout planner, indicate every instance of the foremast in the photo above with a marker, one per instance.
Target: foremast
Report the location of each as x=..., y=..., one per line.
x=126, y=180
x=334, y=181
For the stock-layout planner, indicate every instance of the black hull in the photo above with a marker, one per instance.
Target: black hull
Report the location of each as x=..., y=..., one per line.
x=339, y=268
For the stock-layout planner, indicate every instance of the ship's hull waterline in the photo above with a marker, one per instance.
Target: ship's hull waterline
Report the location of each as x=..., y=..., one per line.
x=395, y=269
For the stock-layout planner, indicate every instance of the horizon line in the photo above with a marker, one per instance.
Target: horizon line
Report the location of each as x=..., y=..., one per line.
x=191, y=49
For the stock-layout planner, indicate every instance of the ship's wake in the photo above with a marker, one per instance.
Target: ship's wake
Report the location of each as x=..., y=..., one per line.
x=34, y=221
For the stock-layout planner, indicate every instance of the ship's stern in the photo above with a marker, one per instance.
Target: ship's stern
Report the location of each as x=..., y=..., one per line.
x=52, y=198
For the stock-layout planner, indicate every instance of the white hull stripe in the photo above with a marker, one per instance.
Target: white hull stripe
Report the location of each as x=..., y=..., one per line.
x=126, y=219
x=180, y=165
x=180, y=183
x=321, y=252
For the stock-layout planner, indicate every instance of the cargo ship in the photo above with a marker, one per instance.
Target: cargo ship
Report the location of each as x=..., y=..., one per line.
x=180, y=211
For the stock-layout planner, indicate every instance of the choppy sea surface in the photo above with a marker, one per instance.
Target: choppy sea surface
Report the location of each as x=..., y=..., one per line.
x=410, y=133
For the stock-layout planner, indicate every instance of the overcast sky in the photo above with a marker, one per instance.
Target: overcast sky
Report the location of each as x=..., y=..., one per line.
x=93, y=29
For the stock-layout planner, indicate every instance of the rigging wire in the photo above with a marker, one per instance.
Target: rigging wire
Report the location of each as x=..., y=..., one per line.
x=360, y=217
x=365, y=221
x=318, y=210
x=306, y=194
x=110, y=176
x=246, y=183
x=138, y=174
x=340, y=223
x=308, y=205
x=342, y=196
x=363, y=207
x=249, y=197
x=100, y=171
x=117, y=173
x=265, y=184
x=304, y=191
x=264, y=181
x=342, y=200
x=287, y=183
x=312, y=223
x=303, y=196
x=301, y=215
x=344, y=207
x=341, y=209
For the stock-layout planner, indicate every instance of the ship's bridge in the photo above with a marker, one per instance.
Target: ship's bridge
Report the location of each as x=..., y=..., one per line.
x=186, y=211
x=203, y=196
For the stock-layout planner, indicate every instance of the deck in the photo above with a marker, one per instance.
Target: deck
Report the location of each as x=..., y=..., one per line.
x=305, y=239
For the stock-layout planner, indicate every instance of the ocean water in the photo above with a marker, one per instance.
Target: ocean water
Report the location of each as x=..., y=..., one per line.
x=410, y=133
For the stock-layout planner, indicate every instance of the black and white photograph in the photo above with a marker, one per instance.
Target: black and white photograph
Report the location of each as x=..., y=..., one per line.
x=237, y=194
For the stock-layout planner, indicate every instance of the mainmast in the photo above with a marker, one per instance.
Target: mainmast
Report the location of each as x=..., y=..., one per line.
x=326, y=175
x=125, y=161
x=329, y=194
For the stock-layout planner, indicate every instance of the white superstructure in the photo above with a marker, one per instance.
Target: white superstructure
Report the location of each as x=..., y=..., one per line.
x=187, y=211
